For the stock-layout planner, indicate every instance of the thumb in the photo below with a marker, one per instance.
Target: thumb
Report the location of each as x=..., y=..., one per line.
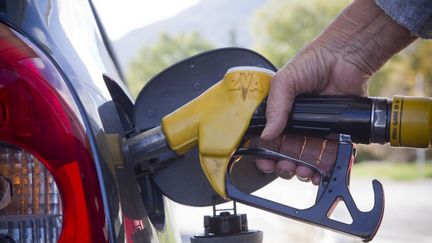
x=279, y=103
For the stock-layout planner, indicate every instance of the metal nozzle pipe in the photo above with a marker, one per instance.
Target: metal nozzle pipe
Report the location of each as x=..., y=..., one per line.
x=145, y=146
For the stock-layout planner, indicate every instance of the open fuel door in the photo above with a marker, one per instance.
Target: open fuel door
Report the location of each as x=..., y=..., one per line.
x=182, y=178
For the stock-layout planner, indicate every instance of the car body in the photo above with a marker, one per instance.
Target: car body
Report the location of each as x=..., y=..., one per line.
x=64, y=106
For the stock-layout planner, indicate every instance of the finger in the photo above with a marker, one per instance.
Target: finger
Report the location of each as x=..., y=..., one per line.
x=328, y=158
x=285, y=169
x=279, y=103
x=291, y=145
x=266, y=165
x=311, y=153
x=316, y=178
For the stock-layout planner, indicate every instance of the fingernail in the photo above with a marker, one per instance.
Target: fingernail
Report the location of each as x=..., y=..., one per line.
x=304, y=179
x=266, y=169
x=287, y=174
x=265, y=133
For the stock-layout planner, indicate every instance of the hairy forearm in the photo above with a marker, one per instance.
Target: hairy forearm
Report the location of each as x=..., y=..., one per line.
x=365, y=36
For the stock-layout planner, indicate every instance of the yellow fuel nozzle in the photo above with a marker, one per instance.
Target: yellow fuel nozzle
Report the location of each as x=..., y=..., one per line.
x=217, y=120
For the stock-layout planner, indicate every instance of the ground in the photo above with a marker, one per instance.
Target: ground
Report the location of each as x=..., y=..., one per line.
x=407, y=216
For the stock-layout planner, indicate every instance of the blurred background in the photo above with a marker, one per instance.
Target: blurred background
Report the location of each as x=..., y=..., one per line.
x=149, y=36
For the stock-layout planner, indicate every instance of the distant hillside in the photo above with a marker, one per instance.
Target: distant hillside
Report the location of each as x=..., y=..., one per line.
x=221, y=22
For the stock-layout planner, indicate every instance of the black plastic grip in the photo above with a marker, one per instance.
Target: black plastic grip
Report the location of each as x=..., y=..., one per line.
x=320, y=116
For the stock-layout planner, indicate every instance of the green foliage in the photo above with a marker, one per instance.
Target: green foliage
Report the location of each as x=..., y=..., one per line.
x=406, y=69
x=282, y=27
x=166, y=51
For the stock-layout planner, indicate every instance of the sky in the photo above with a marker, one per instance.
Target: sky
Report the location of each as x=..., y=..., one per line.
x=120, y=17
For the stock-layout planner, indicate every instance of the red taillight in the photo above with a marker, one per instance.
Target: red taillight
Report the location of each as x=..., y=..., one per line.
x=35, y=116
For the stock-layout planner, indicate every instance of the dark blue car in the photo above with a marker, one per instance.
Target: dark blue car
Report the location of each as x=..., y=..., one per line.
x=61, y=95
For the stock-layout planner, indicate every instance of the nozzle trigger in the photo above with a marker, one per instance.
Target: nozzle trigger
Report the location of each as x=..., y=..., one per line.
x=332, y=189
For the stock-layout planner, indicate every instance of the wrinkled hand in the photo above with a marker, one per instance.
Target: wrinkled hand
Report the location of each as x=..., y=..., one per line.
x=339, y=62
x=315, y=70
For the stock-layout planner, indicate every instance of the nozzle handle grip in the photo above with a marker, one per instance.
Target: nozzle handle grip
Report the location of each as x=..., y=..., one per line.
x=320, y=116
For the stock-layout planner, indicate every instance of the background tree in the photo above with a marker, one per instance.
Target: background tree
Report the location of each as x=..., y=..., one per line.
x=408, y=69
x=166, y=51
x=281, y=27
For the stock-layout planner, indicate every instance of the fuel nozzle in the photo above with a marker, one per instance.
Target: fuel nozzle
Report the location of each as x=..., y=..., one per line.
x=404, y=121
x=216, y=126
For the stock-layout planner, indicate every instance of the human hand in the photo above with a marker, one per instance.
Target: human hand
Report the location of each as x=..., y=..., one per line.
x=314, y=70
x=339, y=62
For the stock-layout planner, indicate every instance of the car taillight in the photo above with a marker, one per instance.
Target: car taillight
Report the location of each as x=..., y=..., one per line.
x=33, y=212
x=38, y=118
